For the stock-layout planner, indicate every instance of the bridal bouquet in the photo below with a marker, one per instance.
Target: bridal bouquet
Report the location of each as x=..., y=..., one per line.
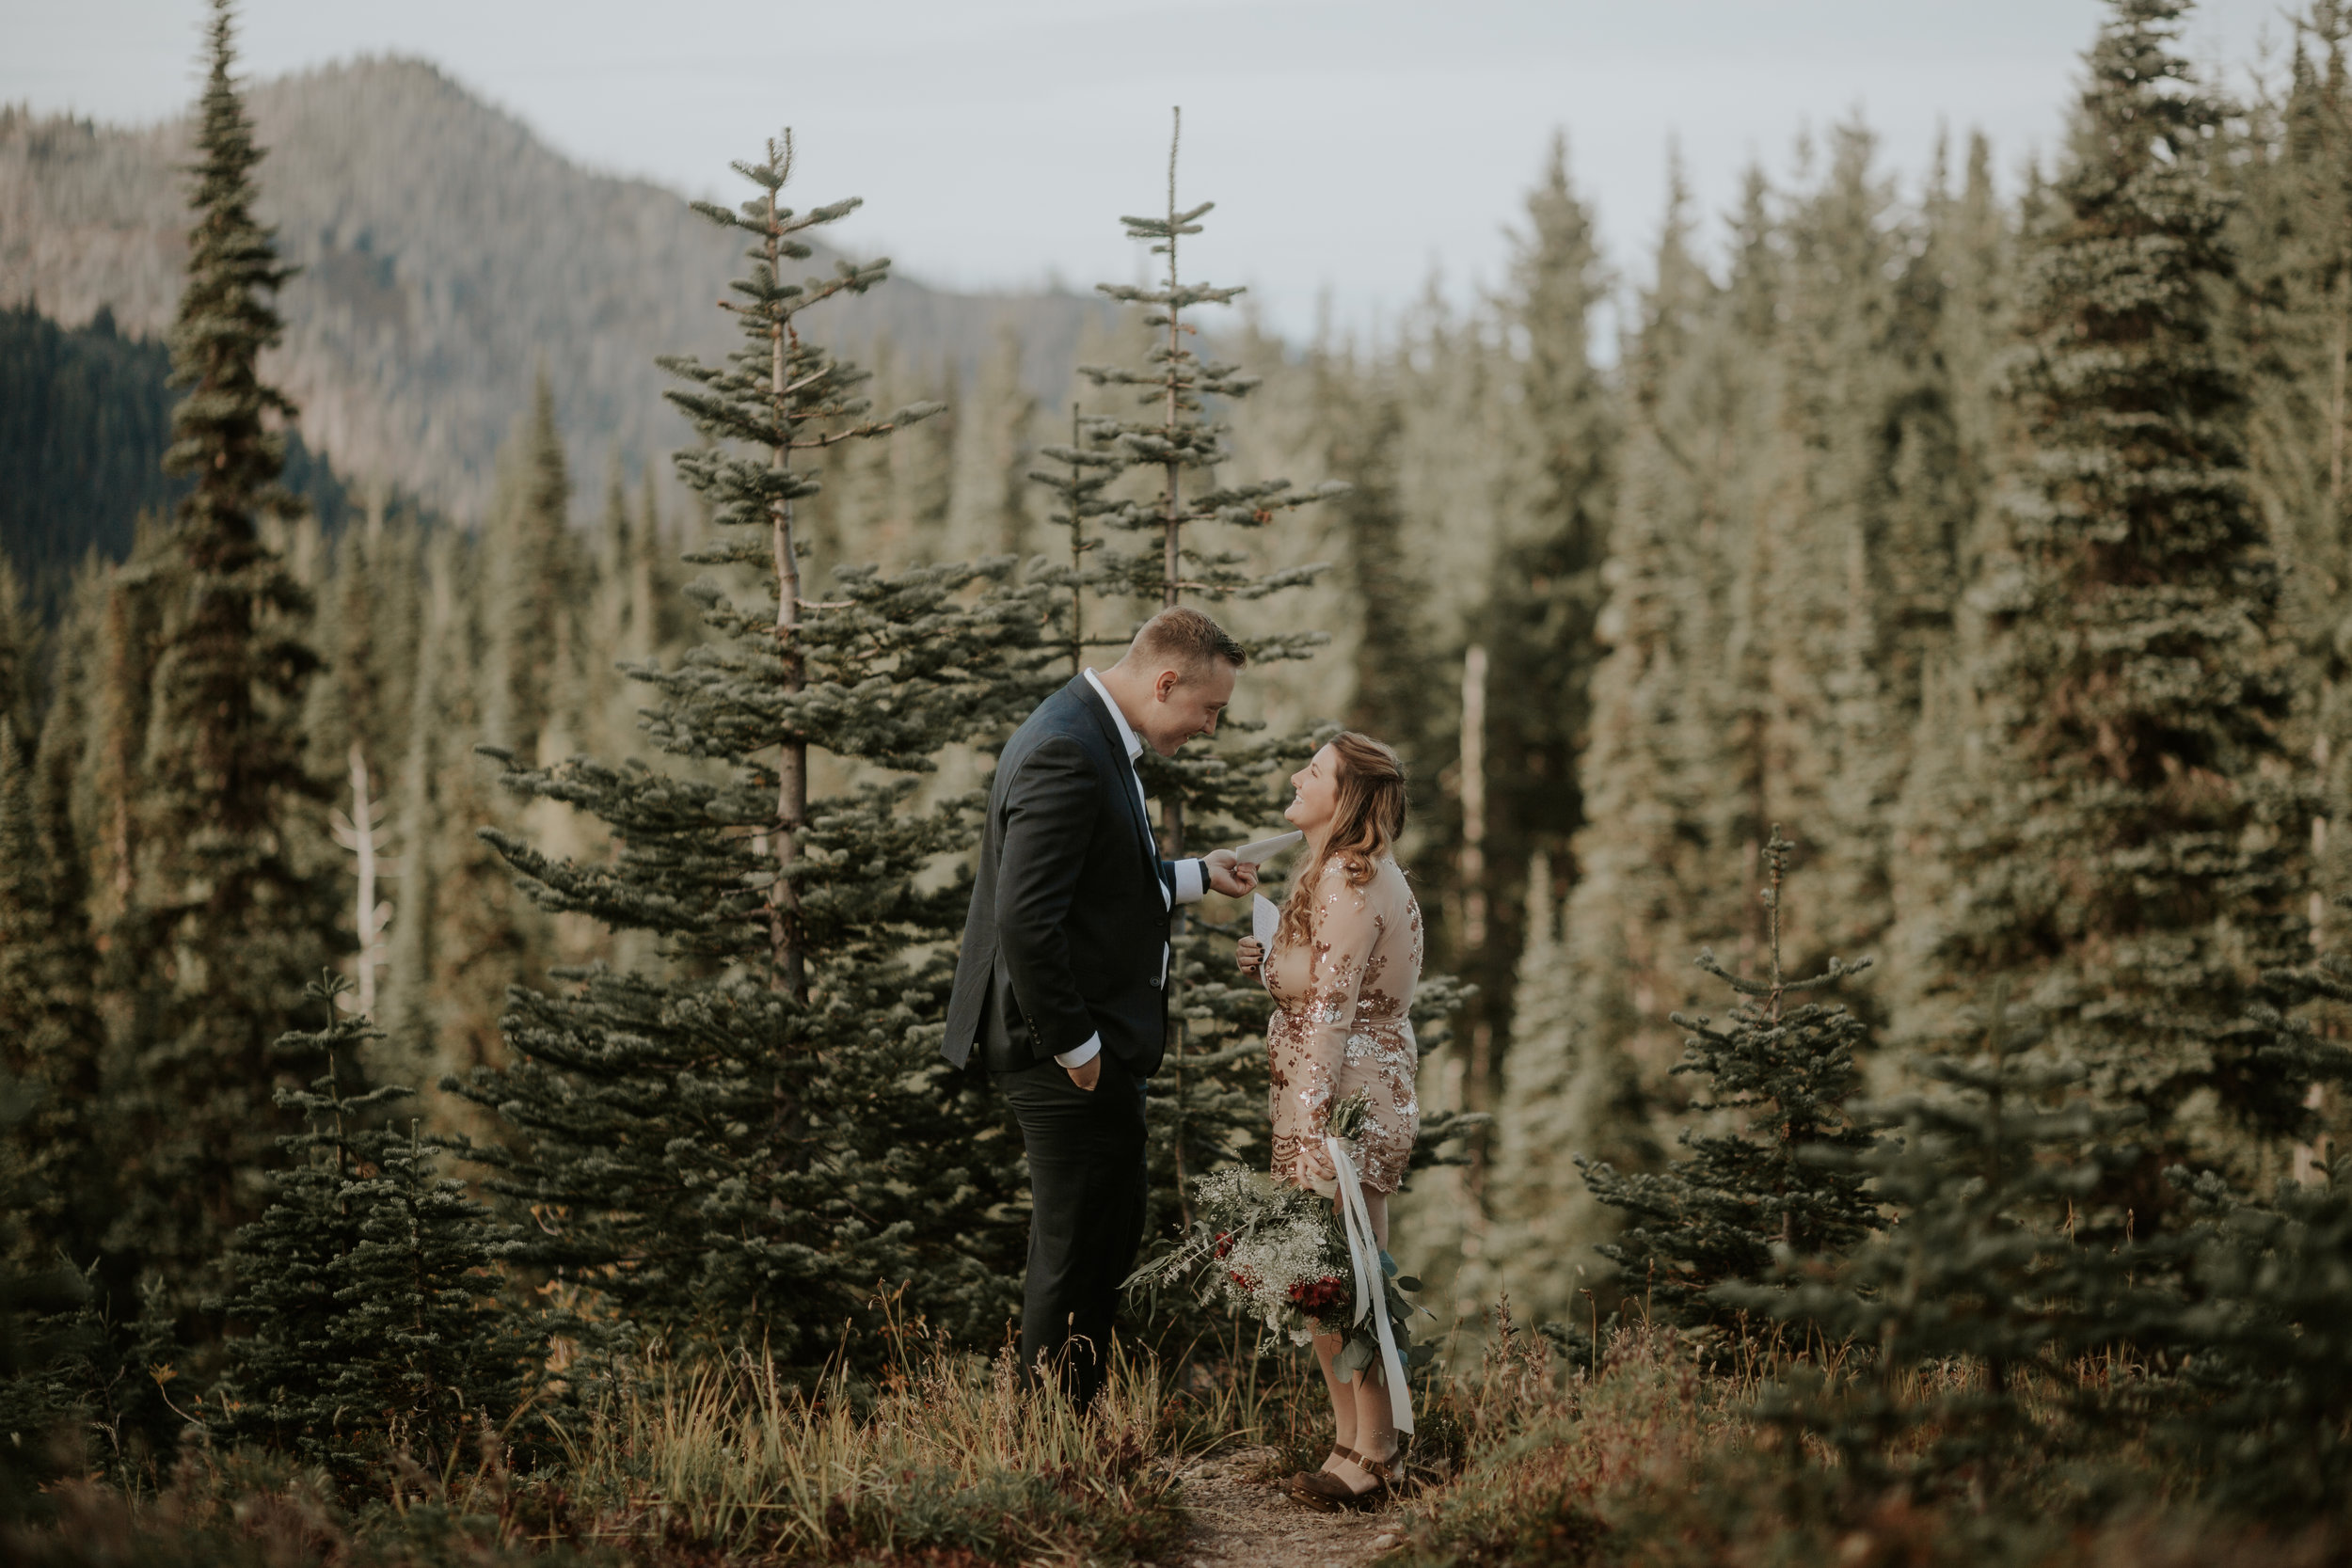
x=1277, y=1253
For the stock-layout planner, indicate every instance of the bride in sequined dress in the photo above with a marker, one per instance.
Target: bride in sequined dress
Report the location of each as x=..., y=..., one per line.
x=1346, y=956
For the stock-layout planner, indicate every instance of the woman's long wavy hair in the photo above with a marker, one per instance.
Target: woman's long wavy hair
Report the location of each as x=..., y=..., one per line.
x=1366, y=821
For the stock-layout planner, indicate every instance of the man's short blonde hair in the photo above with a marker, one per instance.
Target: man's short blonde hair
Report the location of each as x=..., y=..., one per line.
x=1186, y=640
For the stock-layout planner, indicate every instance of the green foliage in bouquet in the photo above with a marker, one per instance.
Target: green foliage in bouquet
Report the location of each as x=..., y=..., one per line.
x=1267, y=1250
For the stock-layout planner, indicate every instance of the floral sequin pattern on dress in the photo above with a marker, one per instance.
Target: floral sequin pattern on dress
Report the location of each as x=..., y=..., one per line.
x=1342, y=996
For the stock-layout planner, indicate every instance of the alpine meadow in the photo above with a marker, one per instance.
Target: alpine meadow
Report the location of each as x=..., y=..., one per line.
x=503, y=670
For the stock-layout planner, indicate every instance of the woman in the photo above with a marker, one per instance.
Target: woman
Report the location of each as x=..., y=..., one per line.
x=1346, y=956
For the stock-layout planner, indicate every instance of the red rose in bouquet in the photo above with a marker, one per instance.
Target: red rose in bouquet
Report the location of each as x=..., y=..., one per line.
x=1320, y=1298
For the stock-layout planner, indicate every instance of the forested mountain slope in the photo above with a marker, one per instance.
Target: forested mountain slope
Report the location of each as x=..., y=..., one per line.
x=85, y=416
x=447, y=254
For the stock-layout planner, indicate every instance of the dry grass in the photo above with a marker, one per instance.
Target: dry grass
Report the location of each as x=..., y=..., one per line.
x=1647, y=1459
x=948, y=1455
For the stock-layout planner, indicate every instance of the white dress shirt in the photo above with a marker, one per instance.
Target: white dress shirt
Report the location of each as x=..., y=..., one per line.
x=1191, y=880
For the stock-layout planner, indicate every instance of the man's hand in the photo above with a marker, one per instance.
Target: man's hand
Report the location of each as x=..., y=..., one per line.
x=1086, y=1077
x=1234, y=878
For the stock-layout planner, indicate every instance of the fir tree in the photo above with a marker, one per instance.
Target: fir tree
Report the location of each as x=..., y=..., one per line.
x=2293, y=228
x=2121, y=833
x=2262, y=1339
x=988, y=508
x=1213, y=1109
x=364, y=1287
x=226, y=909
x=1082, y=470
x=42, y=1330
x=464, y=933
x=2259, y=1332
x=1573, y=1097
x=536, y=580
x=1761, y=1191
x=51, y=1039
x=1642, y=888
x=1546, y=592
x=739, y=1144
x=1997, y=1266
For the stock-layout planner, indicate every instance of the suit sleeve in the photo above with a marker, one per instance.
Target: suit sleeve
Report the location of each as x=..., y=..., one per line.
x=1049, y=819
x=1185, y=880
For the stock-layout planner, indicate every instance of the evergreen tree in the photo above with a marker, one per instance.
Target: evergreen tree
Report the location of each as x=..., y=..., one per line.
x=1640, y=889
x=2260, y=1332
x=1213, y=1109
x=2293, y=228
x=1546, y=591
x=988, y=508
x=225, y=909
x=42, y=1329
x=364, y=1287
x=1574, y=1097
x=51, y=1039
x=738, y=1144
x=2121, y=833
x=1996, y=1268
x=536, y=582
x=1746, y=1197
x=464, y=933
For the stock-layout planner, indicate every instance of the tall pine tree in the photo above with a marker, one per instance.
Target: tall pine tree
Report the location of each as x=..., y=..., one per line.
x=226, y=909
x=1213, y=1107
x=1750, y=1194
x=740, y=1143
x=2119, y=830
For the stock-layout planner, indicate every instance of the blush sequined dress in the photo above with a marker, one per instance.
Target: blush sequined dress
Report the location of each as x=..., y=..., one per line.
x=1341, y=997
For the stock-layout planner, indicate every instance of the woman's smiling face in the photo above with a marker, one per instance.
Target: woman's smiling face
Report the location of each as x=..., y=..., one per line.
x=1315, y=792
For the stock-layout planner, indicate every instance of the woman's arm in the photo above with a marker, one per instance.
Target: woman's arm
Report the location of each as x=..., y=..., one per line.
x=1342, y=932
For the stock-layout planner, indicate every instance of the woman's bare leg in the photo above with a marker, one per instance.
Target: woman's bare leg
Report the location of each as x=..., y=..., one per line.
x=1343, y=1395
x=1375, y=1423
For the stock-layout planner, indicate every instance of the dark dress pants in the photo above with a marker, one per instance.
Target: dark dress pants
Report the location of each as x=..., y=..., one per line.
x=1085, y=1214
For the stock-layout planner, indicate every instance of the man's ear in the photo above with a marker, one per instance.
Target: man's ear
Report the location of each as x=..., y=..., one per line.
x=1168, y=683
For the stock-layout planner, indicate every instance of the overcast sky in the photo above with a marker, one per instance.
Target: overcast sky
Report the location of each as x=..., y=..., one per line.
x=1352, y=147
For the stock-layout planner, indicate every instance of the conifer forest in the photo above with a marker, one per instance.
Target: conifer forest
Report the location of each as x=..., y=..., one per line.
x=477, y=914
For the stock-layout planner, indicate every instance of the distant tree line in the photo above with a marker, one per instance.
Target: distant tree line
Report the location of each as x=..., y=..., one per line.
x=85, y=418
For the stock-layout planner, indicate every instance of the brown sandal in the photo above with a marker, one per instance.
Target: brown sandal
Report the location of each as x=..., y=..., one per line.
x=1328, y=1493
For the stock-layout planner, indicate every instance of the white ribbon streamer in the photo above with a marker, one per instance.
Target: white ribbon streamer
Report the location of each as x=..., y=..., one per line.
x=1371, y=1281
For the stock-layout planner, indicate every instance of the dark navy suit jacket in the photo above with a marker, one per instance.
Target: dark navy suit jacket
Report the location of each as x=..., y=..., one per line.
x=1068, y=933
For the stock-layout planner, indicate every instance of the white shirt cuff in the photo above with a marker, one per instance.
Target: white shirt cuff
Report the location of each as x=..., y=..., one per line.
x=1192, y=881
x=1084, y=1053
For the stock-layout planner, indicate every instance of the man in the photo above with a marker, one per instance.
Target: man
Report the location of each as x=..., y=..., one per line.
x=1062, y=981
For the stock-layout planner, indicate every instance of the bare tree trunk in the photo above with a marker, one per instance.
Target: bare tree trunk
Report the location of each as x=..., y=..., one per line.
x=1478, y=1086
x=1171, y=579
x=788, y=971
x=360, y=833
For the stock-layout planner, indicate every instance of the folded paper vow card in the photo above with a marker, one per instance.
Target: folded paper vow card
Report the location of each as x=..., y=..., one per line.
x=1263, y=917
x=1267, y=849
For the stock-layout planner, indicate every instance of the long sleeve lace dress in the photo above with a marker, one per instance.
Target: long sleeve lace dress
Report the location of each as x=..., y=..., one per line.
x=1340, y=1023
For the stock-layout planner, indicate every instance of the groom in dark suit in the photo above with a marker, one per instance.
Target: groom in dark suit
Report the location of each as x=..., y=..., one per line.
x=1061, y=984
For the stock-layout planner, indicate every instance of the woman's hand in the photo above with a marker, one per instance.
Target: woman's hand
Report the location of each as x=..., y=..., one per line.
x=1249, y=954
x=1314, y=1165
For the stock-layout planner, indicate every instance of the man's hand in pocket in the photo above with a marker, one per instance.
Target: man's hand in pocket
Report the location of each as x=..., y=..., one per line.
x=1086, y=1076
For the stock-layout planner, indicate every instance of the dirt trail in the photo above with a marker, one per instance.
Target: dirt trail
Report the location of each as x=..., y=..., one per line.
x=1242, y=1519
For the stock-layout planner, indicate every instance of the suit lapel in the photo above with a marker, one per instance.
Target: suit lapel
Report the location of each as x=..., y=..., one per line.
x=1131, y=798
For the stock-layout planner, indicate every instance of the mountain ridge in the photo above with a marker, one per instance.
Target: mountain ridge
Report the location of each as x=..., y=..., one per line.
x=447, y=255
